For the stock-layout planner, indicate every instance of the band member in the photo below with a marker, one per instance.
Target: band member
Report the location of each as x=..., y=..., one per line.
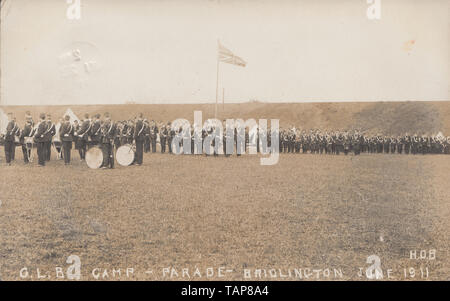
x=407, y=143
x=139, y=137
x=57, y=140
x=356, y=144
x=27, y=133
x=66, y=134
x=123, y=133
x=153, y=135
x=393, y=144
x=170, y=136
x=76, y=128
x=147, y=140
x=83, y=136
x=163, y=137
x=415, y=144
x=117, y=136
x=12, y=131
x=39, y=139
x=386, y=145
x=108, y=132
x=51, y=131
x=95, y=132
x=400, y=143
x=130, y=132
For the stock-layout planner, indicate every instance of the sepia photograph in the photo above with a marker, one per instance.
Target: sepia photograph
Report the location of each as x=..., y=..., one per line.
x=224, y=141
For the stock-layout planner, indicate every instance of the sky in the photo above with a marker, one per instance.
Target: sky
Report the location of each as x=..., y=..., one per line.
x=154, y=51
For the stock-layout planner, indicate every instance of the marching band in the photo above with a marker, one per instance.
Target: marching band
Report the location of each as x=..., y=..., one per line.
x=101, y=137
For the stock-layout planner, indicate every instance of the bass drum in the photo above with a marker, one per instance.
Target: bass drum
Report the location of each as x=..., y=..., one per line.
x=125, y=155
x=94, y=158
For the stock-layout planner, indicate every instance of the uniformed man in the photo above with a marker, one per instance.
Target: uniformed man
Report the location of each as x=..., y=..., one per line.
x=163, y=137
x=147, y=140
x=123, y=133
x=108, y=131
x=407, y=143
x=130, y=132
x=171, y=135
x=12, y=131
x=139, y=138
x=27, y=133
x=380, y=143
x=66, y=133
x=153, y=135
x=51, y=131
x=425, y=144
x=415, y=144
x=39, y=139
x=400, y=144
x=95, y=133
x=357, y=141
x=83, y=136
x=57, y=142
x=386, y=144
x=393, y=144
x=446, y=145
x=118, y=135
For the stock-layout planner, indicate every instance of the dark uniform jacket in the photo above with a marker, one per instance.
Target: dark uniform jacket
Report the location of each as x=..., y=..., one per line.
x=26, y=132
x=12, y=130
x=96, y=131
x=139, y=131
x=40, y=134
x=66, y=132
x=108, y=132
x=50, y=132
x=83, y=132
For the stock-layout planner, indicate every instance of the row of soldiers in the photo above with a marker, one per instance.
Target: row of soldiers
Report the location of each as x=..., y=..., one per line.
x=317, y=141
x=84, y=134
x=143, y=134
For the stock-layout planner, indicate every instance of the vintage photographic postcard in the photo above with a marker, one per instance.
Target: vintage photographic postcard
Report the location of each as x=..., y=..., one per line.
x=224, y=141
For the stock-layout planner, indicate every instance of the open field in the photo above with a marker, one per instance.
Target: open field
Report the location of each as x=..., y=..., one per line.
x=307, y=211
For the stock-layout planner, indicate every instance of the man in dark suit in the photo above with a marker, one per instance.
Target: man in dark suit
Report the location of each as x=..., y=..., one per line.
x=83, y=134
x=12, y=130
x=108, y=132
x=66, y=133
x=139, y=137
x=51, y=131
x=39, y=139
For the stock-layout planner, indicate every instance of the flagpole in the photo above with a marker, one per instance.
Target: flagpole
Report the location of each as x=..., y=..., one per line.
x=217, y=87
x=223, y=98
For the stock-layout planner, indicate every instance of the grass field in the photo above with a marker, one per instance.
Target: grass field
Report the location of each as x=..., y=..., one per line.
x=308, y=211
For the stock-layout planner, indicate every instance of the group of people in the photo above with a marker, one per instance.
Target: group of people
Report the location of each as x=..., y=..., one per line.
x=83, y=134
x=145, y=134
x=324, y=142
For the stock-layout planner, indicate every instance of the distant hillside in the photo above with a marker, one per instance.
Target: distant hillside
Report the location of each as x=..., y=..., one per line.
x=384, y=117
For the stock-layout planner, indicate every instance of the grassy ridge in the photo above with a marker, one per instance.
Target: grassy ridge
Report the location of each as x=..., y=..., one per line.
x=385, y=117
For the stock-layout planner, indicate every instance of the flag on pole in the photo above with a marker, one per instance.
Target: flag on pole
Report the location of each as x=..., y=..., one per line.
x=226, y=56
